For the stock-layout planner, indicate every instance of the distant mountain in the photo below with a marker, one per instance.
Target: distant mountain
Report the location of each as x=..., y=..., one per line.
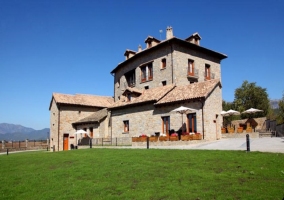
x=274, y=103
x=18, y=132
x=13, y=128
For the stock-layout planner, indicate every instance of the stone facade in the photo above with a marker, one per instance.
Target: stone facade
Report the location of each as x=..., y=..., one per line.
x=61, y=119
x=148, y=85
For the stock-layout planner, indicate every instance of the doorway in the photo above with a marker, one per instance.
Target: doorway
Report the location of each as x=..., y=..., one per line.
x=65, y=141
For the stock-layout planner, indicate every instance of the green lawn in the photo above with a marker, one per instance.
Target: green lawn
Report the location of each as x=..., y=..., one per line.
x=142, y=174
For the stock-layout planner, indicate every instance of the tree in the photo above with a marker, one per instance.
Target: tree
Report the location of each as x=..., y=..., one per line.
x=280, y=118
x=249, y=95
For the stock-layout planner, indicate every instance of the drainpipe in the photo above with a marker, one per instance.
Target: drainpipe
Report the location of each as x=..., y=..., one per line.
x=113, y=84
x=202, y=105
x=172, y=61
x=58, y=127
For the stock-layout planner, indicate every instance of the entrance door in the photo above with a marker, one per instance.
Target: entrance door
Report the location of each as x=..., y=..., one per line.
x=192, y=122
x=65, y=142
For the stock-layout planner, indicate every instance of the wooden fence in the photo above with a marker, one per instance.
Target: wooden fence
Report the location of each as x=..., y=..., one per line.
x=24, y=145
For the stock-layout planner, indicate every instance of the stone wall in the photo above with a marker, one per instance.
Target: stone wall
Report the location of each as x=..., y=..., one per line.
x=212, y=118
x=64, y=117
x=178, y=58
x=147, y=119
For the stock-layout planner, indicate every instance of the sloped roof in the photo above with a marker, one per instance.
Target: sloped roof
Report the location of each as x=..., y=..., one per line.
x=191, y=91
x=95, y=117
x=135, y=90
x=83, y=100
x=151, y=38
x=152, y=94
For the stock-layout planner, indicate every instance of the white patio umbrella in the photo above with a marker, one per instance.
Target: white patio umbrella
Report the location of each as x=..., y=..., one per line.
x=231, y=112
x=252, y=110
x=182, y=110
x=81, y=131
x=223, y=112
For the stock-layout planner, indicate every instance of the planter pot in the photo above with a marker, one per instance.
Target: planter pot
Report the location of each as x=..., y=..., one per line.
x=223, y=130
x=184, y=137
x=153, y=139
x=231, y=130
x=135, y=139
x=163, y=138
x=249, y=130
x=143, y=139
x=240, y=130
x=173, y=138
x=197, y=136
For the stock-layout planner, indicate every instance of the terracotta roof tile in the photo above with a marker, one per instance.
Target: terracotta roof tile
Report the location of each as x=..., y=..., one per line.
x=95, y=117
x=133, y=90
x=152, y=94
x=83, y=99
x=191, y=91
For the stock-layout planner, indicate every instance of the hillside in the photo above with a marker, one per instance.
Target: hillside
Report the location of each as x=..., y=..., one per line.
x=19, y=132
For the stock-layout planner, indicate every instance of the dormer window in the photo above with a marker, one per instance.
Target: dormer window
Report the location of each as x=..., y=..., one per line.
x=151, y=41
x=147, y=72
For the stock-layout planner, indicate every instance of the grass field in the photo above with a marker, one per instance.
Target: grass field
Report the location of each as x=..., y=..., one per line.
x=142, y=174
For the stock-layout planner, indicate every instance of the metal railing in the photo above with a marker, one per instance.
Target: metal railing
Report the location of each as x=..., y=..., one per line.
x=117, y=141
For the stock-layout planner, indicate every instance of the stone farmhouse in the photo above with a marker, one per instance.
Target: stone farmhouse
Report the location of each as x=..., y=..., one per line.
x=148, y=85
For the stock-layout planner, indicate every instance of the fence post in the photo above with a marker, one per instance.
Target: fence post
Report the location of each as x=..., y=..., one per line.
x=147, y=142
x=248, y=145
x=27, y=143
x=3, y=144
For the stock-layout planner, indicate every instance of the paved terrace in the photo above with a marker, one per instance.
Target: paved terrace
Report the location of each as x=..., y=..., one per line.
x=265, y=144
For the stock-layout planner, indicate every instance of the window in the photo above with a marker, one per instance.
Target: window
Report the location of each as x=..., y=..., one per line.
x=207, y=72
x=190, y=67
x=166, y=125
x=164, y=83
x=130, y=78
x=146, y=87
x=91, y=132
x=126, y=126
x=191, y=121
x=147, y=72
x=128, y=96
x=164, y=63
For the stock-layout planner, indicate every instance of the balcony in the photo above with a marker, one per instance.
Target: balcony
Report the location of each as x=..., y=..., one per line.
x=211, y=76
x=193, y=75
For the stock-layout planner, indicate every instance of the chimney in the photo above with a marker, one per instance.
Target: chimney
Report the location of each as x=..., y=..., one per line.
x=169, y=32
x=139, y=48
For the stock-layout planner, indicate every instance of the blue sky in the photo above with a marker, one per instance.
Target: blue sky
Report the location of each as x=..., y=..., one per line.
x=70, y=46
